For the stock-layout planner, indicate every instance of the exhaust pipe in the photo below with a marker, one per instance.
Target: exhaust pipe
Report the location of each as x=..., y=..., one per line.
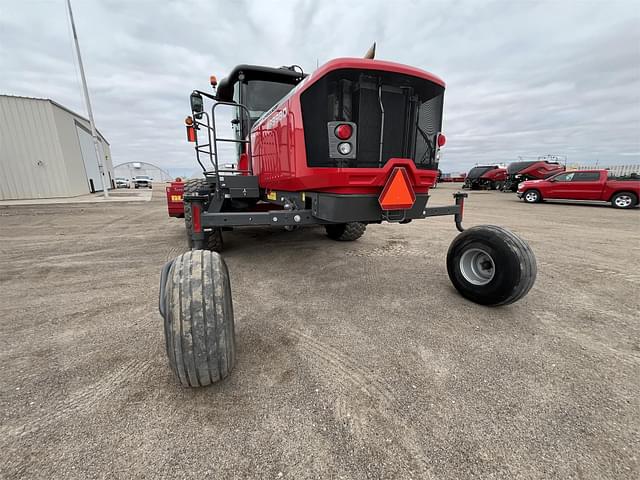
x=371, y=53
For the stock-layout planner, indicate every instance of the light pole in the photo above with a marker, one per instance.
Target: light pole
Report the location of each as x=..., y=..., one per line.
x=94, y=133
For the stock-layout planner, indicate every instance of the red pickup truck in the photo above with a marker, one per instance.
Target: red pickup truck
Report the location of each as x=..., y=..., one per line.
x=591, y=185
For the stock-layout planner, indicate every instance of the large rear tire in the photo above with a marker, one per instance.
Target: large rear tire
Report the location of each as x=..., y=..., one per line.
x=346, y=232
x=490, y=265
x=198, y=319
x=213, y=240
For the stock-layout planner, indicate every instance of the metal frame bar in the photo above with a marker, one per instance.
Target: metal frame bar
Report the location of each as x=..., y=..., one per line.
x=306, y=217
x=211, y=148
x=198, y=147
x=247, y=142
x=381, y=125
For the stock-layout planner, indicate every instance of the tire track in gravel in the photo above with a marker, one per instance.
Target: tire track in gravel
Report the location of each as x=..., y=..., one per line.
x=593, y=271
x=349, y=374
x=78, y=403
x=553, y=324
x=74, y=255
x=173, y=251
x=116, y=220
x=349, y=417
x=350, y=371
x=391, y=249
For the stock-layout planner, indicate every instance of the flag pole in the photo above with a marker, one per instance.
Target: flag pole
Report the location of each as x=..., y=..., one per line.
x=92, y=124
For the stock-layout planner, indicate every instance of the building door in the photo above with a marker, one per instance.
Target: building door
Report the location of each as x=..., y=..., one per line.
x=89, y=159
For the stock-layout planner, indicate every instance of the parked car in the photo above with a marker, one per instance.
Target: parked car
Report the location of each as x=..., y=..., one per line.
x=490, y=177
x=142, y=181
x=591, y=185
x=122, y=182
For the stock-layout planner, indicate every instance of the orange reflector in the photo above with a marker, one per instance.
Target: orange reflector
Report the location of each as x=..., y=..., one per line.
x=397, y=193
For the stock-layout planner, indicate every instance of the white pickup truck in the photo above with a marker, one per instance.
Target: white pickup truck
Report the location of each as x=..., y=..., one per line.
x=142, y=181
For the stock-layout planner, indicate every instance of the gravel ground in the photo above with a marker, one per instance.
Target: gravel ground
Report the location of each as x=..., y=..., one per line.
x=355, y=360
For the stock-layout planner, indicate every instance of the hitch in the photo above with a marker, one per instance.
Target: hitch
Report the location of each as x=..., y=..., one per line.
x=459, y=197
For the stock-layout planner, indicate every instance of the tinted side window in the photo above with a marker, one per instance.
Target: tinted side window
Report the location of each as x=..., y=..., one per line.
x=586, y=177
x=565, y=177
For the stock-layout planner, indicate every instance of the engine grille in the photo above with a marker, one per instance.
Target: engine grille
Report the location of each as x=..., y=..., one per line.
x=412, y=117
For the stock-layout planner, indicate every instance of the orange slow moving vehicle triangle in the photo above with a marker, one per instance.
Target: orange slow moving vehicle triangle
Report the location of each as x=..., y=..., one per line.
x=397, y=193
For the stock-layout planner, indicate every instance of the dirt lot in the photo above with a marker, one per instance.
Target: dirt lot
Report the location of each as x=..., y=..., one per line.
x=356, y=360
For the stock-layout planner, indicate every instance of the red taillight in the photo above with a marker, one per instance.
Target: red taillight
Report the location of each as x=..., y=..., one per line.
x=344, y=131
x=191, y=133
x=195, y=218
x=441, y=140
x=243, y=162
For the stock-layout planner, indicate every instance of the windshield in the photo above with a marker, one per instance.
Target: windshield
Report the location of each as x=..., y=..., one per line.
x=515, y=167
x=142, y=177
x=260, y=95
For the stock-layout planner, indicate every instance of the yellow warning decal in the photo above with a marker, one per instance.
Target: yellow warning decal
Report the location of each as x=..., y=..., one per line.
x=176, y=198
x=272, y=196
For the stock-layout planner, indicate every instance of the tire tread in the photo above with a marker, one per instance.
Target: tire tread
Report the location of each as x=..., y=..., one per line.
x=199, y=326
x=346, y=232
x=522, y=250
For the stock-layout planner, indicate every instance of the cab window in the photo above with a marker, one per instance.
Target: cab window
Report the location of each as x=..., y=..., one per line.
x=586, y=177
x=565, y=177
x=261, y=95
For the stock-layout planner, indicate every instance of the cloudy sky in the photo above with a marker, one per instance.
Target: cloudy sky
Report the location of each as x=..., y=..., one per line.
x=524, y=78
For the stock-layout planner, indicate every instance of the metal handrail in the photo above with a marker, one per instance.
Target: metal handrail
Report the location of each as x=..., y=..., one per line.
x=198, y=147
x=244, y=110
x=211, y=148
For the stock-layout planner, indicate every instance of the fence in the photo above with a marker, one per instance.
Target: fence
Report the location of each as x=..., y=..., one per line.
x=615, y=170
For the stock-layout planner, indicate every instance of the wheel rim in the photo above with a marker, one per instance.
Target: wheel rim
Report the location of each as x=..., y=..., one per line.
x=531, y=196
x=623, y=201
x=477, y=266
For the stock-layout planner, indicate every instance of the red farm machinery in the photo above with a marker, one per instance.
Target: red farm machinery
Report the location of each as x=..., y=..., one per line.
x=540, y=169
x=356, y=142
x=485, y=177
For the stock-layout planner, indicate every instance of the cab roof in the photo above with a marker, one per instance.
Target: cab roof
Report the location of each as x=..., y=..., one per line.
x=256, y=72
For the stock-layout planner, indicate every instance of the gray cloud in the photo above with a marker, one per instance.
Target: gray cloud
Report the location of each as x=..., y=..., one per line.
x=523, y=77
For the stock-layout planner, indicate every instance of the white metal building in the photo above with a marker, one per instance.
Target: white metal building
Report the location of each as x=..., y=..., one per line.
x=46, y=151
